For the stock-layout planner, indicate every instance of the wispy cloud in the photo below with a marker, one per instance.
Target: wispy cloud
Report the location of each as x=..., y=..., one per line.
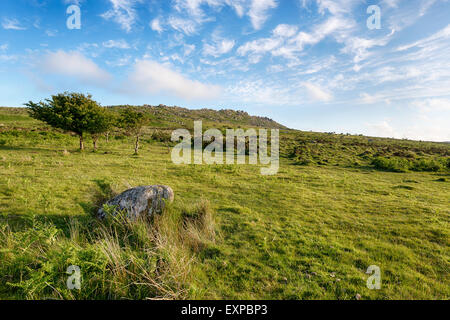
x=218, y=47
x=191, y=13
x=317, y=93
x=287, y=42
x=119, y=44
x=187, y=26
x=122, y=12
x=12, y=24
x=156, y=25
x=442, y=35
x=258, y=12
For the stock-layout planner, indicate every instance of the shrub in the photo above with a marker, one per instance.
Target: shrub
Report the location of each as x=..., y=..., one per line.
x=403, y=165
x=446, y=162
x=161, y=136
x=426, y=165
x=391, y=164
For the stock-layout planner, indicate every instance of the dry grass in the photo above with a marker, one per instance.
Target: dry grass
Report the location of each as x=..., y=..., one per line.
x=119, y=258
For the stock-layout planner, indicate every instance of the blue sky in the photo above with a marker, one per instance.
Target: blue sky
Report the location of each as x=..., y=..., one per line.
x=309, y=64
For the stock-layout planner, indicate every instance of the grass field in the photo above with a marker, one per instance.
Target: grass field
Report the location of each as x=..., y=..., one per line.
x=309, y=232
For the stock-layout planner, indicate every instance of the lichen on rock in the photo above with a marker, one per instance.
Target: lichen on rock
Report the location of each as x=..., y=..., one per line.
x=140, y=201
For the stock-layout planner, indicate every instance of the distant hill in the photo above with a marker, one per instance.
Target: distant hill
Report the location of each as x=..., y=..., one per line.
x=167, y=116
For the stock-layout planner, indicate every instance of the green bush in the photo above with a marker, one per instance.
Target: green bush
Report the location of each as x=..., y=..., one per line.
x=427, y=165
x=446, y=162
x=403, y=165
x=391, y=164
x=161, y=136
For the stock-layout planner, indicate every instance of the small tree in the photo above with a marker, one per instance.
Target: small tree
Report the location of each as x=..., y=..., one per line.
x=73, y=112
x=133, y=122
x=102, y=121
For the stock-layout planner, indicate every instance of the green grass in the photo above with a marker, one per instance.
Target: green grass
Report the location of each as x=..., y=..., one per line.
x=309, y=232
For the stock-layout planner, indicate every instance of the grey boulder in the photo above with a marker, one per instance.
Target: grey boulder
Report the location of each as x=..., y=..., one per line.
x=140, y=201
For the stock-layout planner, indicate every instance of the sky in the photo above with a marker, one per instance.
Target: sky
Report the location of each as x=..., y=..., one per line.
x=332, y=66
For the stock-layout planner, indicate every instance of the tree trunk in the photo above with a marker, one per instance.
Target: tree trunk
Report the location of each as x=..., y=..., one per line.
x=81, y=142
x=94, y=140
x=107, y=137
x=136, y=146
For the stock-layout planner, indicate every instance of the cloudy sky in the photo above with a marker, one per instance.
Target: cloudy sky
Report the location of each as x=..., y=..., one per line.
x=309, y=64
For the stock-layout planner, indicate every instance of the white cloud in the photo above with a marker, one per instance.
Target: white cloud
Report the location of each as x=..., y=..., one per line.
x=258, y=12
x=376, y=98
x=367, y=98
x=189, y=15
x=317, y=93
x=418, y=128
x=287, y=43
x=336, y=7
x=120, y=62
x=74, y=64
x=119, y=44
x=156, y=25
x=149, y=77
x=262, y=92
x=360, y=46
x=330, y=26
x=188, y=27
x=382, y=129
x=51, y=33
x=77, y=2
x=11, y=24
x=285, y=30
x=218, y=48
x=432, y=105
x=238, y=6
x=391, y=3
x=401, y=17
x=188, y=49
x=6, y=57
x=193, y=7
x=442, y=35
x=259, y=46
x=123, y=13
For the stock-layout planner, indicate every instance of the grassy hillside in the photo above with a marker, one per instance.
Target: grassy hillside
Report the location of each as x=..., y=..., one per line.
x=339, y=204
x=162, y=117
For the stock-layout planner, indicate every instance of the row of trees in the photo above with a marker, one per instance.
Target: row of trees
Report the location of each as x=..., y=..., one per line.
x=80, y=114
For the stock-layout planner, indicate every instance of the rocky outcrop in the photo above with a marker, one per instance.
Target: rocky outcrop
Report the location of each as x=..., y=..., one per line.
x=140, y=201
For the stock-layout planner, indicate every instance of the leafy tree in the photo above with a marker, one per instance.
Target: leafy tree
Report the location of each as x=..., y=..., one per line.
x=102, y=122
x=73, y=112
x=133, y=122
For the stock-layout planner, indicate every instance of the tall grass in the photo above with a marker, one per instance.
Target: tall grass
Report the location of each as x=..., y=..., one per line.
x=119, y=258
